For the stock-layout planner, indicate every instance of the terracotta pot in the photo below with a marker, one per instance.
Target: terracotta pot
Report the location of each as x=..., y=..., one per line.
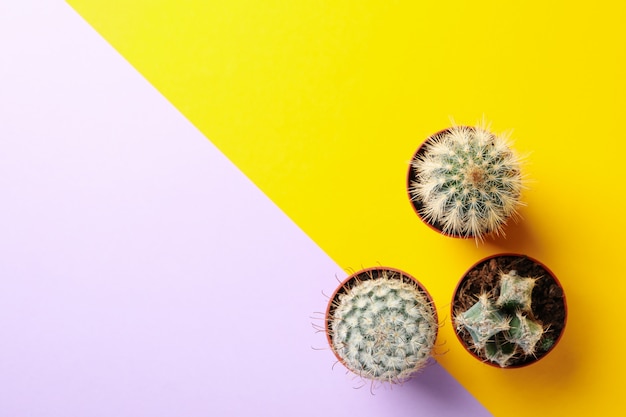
x=473, y=176
x=548, y=307
x=353, y=281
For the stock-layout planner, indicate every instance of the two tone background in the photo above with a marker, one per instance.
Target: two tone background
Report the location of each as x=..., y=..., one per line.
x=182, y=180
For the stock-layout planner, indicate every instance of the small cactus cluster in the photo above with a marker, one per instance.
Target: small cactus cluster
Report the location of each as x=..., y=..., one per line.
x=503, y=329
x=382, y=326
x=467, y=181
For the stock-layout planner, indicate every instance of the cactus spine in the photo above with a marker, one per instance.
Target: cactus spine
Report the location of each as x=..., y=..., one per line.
x=502, y=329
x=468, y=181
x=382, y=326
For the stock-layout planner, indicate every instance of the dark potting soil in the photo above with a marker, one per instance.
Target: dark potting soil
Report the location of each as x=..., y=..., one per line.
x=417, y=203
x=548, y=300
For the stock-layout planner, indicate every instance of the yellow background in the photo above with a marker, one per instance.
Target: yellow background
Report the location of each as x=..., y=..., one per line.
x=323, y=103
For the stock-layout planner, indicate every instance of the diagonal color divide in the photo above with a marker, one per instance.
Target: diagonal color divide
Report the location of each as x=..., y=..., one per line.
x=321, y=104
x=133, y=275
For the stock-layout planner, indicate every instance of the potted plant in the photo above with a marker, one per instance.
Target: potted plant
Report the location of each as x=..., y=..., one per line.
x=381, y=324
x=509, y=310
x=466, y=182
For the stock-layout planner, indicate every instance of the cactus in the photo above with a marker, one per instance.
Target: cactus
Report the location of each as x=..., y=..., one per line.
x=382, y=325
x=503, y=329
x=466, y=182
x=515, y=292
x=483, y=321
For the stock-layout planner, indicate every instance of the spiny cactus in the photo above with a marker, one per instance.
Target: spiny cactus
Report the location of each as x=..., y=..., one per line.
x=466, y=182
x=515, y=292
x=382, y=326
x=503, y=329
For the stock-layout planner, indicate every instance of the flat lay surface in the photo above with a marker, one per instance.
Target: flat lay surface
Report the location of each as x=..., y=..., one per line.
x=322, y=106
x=182, y=180
x=141, y=273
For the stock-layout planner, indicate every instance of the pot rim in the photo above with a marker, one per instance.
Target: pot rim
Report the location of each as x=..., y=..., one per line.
x=498, y=255
x=342, y=286
x=411, y=177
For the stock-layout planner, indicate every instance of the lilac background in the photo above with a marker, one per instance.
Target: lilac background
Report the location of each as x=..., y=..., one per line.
x=141, y=274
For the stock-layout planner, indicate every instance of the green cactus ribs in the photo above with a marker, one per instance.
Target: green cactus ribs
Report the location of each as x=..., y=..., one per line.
x=509, y=310
x=381, y=325
x=466, y=182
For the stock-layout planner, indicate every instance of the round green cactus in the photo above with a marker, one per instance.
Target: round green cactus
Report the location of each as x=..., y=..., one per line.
x=467, y=182
x=381, y=325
